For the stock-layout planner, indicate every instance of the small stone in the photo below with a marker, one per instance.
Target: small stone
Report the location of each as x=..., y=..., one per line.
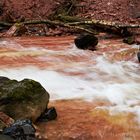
x=48, y=115
x=138, y=55
x=129, y=40
x=20, y=129
x=86, y=41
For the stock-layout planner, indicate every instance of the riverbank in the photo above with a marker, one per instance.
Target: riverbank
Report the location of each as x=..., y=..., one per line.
x=118, y=11
x=123, y=11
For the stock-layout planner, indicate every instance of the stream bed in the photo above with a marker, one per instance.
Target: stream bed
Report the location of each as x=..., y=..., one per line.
x=96, y=94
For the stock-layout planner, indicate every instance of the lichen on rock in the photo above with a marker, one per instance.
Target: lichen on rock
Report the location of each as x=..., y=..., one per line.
x=25, y=99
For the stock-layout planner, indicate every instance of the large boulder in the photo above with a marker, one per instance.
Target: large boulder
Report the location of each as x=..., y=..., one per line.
x=25, y=99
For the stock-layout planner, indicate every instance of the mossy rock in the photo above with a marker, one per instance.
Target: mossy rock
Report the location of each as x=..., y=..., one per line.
x=25, y=99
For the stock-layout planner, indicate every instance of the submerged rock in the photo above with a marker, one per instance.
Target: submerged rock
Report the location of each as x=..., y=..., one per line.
x=48, y=115
x=86, y=41
x=25, y=99
x=138, y=55
x=129, y=40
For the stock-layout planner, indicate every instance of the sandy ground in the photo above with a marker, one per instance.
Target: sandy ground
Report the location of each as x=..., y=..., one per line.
x=124, y=11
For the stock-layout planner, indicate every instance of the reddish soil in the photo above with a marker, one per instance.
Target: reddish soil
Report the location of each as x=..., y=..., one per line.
x=29, y=9
x=124, y=11
x=112, y=10
x=119, y=11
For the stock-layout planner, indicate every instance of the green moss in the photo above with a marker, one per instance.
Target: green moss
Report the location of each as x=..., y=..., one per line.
x=22, y=99
x=23, y=90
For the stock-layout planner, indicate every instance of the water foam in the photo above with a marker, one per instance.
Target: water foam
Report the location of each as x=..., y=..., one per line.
x=117, y=83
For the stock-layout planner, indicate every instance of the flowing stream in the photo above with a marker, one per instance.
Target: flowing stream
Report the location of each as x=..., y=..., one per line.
x=70, y=73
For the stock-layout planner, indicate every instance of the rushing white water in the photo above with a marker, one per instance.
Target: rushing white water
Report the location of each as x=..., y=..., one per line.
x=118, y=82
x=115, y=82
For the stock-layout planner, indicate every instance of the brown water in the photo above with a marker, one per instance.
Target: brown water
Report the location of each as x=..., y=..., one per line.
x=96, y=94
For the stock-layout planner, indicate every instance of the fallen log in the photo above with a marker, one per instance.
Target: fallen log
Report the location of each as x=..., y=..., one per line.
x=14, y=30
x=102, y=25
x=55, y=23
x=72, y=20
x=80, y=25
x=58, y=23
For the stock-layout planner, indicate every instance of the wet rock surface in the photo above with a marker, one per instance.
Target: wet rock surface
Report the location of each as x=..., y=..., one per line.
x=20, y=130
x=138, y=55
x=25, y=99
x=86, y=42
x=129, y=40
x=48, y=115
x=4, y=137
x=5, y=120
